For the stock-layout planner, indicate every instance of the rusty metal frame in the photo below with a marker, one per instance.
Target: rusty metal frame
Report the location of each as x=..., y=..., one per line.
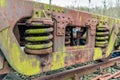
x=13, y=11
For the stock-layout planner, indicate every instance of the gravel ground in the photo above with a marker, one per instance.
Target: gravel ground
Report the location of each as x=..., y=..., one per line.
x=111, y=70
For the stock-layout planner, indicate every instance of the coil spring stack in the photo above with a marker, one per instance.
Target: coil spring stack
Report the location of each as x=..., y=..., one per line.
x=39, y=36
x=102, y=35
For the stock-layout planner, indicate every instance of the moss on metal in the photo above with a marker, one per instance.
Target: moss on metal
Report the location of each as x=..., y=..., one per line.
x=112, y=39
x=39, y=46
x=101, y=28
x=37, y=24
x=13, y=54
x=38, y=31
x=38, y=14
x=59, y=59
x=53, y=8
x=39, y=38
x=97, y=53
x=102, y=33
x=101, y=38
x=3, y=3
x=117, y=42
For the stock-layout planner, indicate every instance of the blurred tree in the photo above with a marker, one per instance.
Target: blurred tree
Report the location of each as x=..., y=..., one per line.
x=50, y=1
x=104, y=7
x=109, y=8
x=89, y=6
x=118, y=7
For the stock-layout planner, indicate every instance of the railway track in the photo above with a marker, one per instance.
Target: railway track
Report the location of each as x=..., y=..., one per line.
x=87, y=71
x=76, y=73
x=108, y=76
x=110, y=73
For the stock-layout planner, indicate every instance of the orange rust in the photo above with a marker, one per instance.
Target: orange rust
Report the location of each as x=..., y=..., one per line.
x=97, y=78
x=107, y=76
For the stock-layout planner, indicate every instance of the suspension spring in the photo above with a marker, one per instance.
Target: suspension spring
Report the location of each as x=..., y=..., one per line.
x=67, y=37
x=39, y=39
x=102, y=36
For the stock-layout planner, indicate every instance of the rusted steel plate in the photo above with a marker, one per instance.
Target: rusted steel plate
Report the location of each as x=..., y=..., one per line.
x=15, y=10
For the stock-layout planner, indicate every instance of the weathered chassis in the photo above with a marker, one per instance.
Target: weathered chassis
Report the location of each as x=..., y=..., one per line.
x=11, y=11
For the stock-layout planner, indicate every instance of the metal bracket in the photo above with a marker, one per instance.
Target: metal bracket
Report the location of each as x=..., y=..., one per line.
x=40, y=14
x=38, y=21
x=62, y=20
x=92, y=23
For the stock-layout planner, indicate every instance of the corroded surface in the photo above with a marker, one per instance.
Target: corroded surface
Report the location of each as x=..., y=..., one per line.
x=58, y=18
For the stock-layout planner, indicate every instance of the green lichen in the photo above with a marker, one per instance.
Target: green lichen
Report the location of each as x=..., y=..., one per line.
x=102, y=33
x=39, y=38
x=38, y=31
x=39, y=46
x=101, y=38
x=101, y=43
x=3, y=3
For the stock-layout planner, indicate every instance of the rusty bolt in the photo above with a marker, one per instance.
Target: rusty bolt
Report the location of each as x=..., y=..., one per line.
x=58, y=16
x=63, y=27
x=58, y=27
x=68, y=17
x=59, y=32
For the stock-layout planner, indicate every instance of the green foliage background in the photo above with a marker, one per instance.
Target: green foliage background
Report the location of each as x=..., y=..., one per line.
x=108, y=9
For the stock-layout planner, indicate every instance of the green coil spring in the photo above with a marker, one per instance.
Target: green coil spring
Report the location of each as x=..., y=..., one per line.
x=102, y=36
x=39, y=39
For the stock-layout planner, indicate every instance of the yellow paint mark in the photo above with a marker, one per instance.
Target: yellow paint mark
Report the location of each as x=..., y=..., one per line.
x=3, y=3
x=22, y=63
x=58, y=59
x=97, y=53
